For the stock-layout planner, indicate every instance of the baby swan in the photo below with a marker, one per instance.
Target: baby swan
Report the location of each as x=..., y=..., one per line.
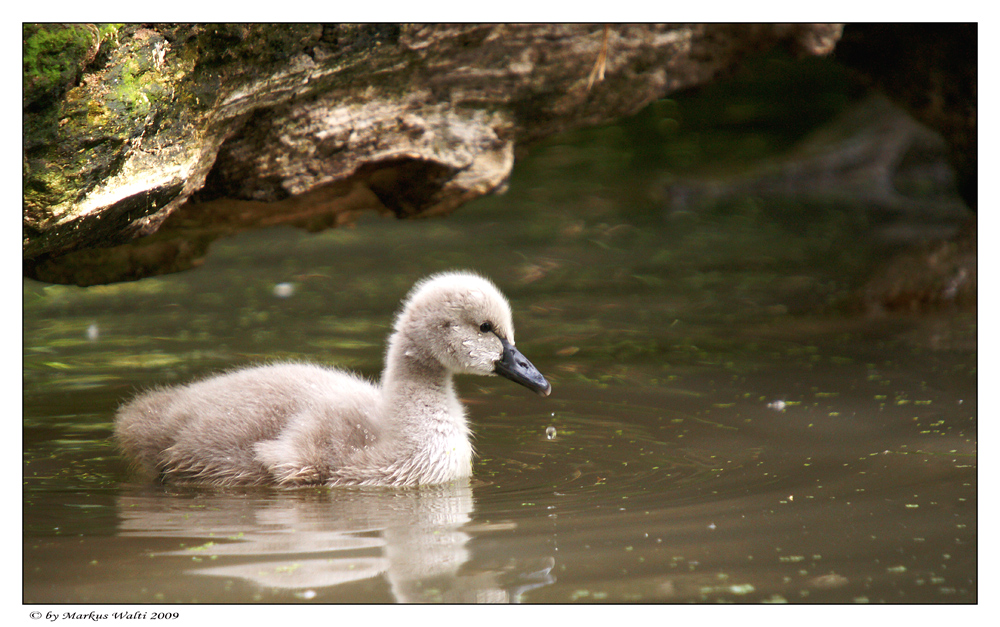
x=301, y=424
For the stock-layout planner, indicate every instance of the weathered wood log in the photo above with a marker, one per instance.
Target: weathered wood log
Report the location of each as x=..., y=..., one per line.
x=141, y=128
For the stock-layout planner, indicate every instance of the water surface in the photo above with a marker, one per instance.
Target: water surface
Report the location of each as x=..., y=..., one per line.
x=701, y=442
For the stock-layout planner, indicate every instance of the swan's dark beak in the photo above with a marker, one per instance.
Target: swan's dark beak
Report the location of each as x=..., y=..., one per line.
x=518, y=369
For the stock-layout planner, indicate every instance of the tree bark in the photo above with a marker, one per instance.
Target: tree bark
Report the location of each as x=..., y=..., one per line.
x=144, y=130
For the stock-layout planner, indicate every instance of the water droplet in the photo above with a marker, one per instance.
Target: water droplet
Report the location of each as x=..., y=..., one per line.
x=284, y=290
x=550, y=433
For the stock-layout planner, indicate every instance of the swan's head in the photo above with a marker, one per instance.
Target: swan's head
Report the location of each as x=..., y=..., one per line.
x=462, y=321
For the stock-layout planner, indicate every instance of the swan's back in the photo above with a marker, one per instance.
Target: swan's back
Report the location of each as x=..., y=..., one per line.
x=212, y=430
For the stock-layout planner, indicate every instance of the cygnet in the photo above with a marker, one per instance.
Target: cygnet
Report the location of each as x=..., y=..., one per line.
x=300, y=424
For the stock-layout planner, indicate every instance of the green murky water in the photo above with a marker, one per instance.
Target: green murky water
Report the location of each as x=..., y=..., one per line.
x=671, y=475
x=721, y=428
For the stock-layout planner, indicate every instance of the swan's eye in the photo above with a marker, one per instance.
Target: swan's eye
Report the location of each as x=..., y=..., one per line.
x=486, y=327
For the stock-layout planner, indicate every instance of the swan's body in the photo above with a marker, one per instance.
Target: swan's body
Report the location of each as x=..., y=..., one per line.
x=300, y=424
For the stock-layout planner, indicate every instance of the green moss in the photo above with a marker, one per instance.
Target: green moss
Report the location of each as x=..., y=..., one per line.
x=54, y=56
x=129, y=83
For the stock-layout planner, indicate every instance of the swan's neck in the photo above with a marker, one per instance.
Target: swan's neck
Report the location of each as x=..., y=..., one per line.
x=410, y=374
x=421, y=403
x=416, y=391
